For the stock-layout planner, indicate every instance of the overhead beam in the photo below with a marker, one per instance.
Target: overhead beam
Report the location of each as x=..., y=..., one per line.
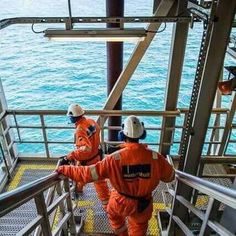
x=136, y=57
x=177, y=52
x=118, y=20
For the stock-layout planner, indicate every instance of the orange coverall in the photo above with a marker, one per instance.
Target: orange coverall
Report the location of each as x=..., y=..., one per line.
x=134, y=171
x=87, y=140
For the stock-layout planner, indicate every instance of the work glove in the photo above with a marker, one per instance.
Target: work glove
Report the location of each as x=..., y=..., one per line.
x=60, y=169
x=70, y=156
x=64, y=161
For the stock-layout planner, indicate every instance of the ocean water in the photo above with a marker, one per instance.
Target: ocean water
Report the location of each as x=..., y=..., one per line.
x=41, y=74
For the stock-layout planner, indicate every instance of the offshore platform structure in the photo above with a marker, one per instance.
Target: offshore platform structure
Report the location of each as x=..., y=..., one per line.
x=202, y=199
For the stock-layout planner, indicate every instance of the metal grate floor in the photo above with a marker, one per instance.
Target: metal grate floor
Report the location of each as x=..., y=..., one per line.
x=95, y=219
x=89, y=208
x=14, y=221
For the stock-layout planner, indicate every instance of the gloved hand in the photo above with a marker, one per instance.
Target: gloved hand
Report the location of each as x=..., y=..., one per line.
x=70, y=156
x=64, y=161
x=59, y=170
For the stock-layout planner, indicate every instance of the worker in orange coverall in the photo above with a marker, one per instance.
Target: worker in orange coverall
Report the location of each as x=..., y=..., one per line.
x=134, y=172
x=87, y=141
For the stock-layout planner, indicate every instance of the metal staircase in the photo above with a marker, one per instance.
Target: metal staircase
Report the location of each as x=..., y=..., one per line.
x=29, y=209
x=32, y=208
x=88, y=210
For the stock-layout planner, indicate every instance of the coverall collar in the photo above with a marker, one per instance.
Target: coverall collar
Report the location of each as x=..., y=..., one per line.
x=79, y=121
x=133, y=145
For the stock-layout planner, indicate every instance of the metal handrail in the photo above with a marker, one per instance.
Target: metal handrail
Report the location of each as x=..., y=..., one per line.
x=109, y=112
x=35, y=190
x=213, y=191
x=15, y=198
x=96, y=112
x=220, y=192
x=45, y=127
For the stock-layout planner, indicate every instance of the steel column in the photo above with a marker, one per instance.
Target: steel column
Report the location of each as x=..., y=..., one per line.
x=114, y=8
x=136, y=57
x=224, y=16
x=178, y=46
x=212, y=68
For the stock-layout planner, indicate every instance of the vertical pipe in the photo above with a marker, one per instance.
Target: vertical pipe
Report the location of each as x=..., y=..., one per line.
x=114, y=8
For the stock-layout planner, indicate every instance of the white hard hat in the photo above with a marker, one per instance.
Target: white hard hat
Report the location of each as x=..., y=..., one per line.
x=133, y=128
x=75, y=110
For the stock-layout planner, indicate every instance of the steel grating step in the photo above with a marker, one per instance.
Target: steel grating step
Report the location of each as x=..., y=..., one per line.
x=96, y=221
x=14, y=221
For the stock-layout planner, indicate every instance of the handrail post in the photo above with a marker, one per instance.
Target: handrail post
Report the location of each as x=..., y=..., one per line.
x=228, y=126
x=170, y=227
x=44, y=136
x=70, y=207
x=102, y=133
x=5, y=162
x=49, y=197
x=61, y=205
x=207, y=215
x=42, y=210
x=5, y=145
x=182, y=133
x=17, y=127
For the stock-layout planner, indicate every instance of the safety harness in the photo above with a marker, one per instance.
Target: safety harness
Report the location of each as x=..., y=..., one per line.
x=143, y=202
x=100, y=153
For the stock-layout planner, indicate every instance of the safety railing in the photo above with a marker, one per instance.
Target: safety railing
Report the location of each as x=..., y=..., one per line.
x=35, y=190
x=48, y=129
x=214, y=160
x=51, y=122
x=213, y=191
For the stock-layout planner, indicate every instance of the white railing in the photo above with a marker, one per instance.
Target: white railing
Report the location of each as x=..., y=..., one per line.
x=48, y=140
x=10, y=201
x=47, y=128
x=213, y=191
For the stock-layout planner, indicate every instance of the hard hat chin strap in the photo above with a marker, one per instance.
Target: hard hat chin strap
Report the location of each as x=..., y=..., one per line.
x=73, y=119
x=121, y=136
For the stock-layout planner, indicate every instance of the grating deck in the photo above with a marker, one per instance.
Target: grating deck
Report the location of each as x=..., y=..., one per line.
x=96, y=221
x=14, y=221
x=88, y=206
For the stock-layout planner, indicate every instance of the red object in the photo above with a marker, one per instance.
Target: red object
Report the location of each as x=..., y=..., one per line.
x=134, y=171
x=226, y=87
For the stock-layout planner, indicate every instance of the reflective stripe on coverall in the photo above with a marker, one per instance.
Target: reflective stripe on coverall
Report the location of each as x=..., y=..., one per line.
x=134, y=170
x=87, y=140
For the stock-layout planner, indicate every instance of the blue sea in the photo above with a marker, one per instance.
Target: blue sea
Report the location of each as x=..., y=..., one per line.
x=41, y=74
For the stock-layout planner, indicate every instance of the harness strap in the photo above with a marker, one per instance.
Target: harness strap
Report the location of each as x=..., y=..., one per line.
x=131, y=197
x=84, y=162
x=143, y=202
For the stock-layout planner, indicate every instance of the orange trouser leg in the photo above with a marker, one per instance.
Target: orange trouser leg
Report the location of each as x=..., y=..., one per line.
x=103, y=192
x=118, y=209
x=115, y=216
x=138, y=223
